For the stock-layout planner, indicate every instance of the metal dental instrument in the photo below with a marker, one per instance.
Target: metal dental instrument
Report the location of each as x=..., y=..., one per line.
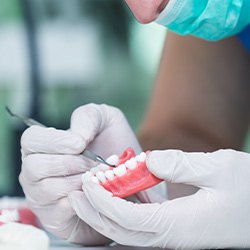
x=30, y=122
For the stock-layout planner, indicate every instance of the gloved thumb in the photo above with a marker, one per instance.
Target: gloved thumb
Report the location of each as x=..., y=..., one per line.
x=176, y=166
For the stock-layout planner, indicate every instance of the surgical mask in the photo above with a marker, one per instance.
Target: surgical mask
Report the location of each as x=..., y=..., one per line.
x=208, y=19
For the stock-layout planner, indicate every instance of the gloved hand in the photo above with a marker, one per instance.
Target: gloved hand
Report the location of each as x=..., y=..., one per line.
x=217, y=216
x=52, y=166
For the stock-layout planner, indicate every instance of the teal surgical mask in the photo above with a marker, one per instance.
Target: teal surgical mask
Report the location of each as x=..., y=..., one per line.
x=208, y=19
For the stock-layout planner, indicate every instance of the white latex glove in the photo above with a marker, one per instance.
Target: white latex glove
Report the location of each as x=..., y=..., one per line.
x=217, y=216
x=52, y=166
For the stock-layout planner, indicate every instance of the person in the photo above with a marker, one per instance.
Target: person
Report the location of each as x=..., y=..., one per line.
x=199, y=104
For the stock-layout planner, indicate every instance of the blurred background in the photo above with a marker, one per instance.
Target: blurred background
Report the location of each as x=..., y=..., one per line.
x=56, y=55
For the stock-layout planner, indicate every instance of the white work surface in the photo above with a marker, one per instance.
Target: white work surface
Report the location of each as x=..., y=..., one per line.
x=102, y=248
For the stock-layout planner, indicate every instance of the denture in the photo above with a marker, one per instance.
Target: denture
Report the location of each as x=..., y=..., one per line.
x=129, y=177
x=20, y=215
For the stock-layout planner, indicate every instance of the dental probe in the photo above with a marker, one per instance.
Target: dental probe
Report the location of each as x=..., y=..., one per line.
x=30, y=122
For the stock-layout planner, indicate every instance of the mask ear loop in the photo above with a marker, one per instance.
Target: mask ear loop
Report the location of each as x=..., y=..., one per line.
x=170, y=12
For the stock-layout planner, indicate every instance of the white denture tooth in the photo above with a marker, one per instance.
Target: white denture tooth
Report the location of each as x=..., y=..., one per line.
x=109, y=175
x=88, y=173
x=101, y=176
x=103, y=167
x=113, y=159
x=131, y=164
x=142, y=157
x=127, y=163
x=94, y=169
x=120, y=170
x=95, y=179
x=99, y=167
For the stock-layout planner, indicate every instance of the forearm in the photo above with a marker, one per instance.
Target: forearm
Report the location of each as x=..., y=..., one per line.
x=201, y=96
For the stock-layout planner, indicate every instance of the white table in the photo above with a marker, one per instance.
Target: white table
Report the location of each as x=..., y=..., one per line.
x=57, y=244
x=102, y=248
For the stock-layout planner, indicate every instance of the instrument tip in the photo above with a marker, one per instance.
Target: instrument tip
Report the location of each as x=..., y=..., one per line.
x=8, y=110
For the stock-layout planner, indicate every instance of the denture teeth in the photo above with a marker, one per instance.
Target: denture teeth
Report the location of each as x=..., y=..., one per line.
x=131, y=164
x=113, y=159
x=95, y=179
x=101, y=176
x=120, y=170
x=9, y=216
x=86, y=173
x=99, y=167
x=141, y=157
x=109, y=175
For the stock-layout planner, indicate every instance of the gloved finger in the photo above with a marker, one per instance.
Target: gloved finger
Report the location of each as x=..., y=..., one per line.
x=91, y=236
x=189, y=216
x=64, y=223
x=150, y=196
x=106, y=226
x=179, y=223
x=40, y=166
x=88, y=121
x=138, y=217
x=176, y=166
x=101, y=126
x=51, y=141
x=49, y=190
x=63, y=216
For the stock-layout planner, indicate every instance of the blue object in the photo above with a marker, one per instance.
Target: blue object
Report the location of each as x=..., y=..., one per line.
x=208, y=19
x=244, y=37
